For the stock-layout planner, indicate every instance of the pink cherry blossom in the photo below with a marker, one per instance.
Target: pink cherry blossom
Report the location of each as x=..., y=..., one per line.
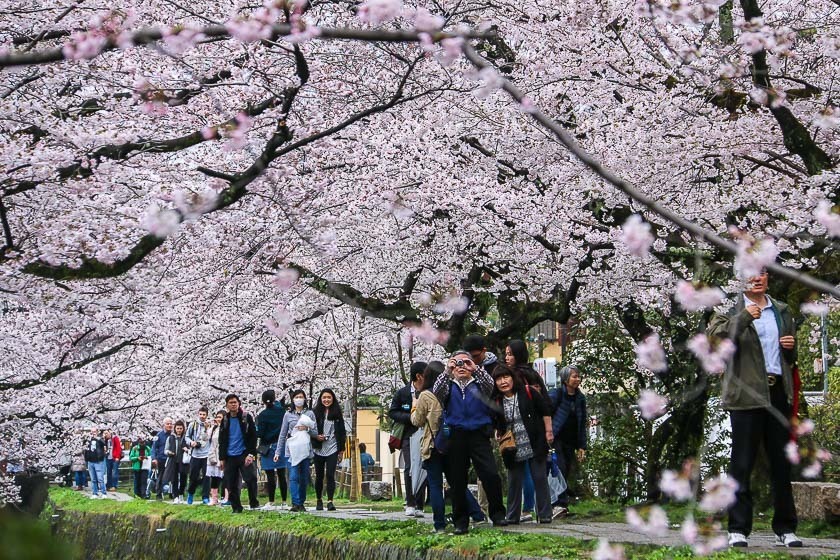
x=656, y=525
x=285, y=278
x=636, y=236
x=651, y=404
x=376, y=12
x=693, y=298
x=454, y=304
x=675, y=486
x=450, y=50
x=814, y=308
x=280, y=324
x=805, y=427
x=424, y=20
x=720, y=494
x=650, y=355
x=689, y=531
x=606, y=551
x=792, y=452
x=161, y=222
x=753, y=257
x=828, y=218
x=813, y=470
x=713, y=358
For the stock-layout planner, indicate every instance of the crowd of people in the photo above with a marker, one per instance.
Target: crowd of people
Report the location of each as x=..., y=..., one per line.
x=449, y=415
x=465, y=404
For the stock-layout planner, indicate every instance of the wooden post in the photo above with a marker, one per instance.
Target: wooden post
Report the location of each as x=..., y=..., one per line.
x=355, y=470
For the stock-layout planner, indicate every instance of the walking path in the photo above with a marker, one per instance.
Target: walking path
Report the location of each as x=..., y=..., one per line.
x=569, y=527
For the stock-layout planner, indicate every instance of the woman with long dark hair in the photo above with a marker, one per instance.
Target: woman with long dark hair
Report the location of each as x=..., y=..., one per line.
x=328, y=445
x=523, y=411
x=176, y=470
x=269, y=422
x=298, y=470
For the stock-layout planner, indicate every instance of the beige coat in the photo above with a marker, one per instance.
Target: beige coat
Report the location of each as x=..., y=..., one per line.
x=426, y=413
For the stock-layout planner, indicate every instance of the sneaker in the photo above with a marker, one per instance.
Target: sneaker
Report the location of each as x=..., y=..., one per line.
x=525, y=518
x=419, y=513
x=319, y=506
x=94, y=496
x=330, y=506
x=410, y=511
x=559, y=511
x=786, y=539
x=189, y=499
x=177, y=500
x=268, y=507
x=738, y=540
x=205, y=501
x=295, y=508
x=460, y=531
x=224, y=503
x=546, y=520
x=284, y=506
x=502, y=522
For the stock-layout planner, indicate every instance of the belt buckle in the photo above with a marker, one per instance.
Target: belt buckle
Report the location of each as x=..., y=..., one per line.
x=771, y=380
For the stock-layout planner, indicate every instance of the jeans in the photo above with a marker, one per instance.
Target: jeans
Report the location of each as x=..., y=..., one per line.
x=529, y=496
x=140, y=478
x=97, y=477
x=330, y=462
x=298, y=479
x=434, y=467
x=112, y=474
x=80, y=478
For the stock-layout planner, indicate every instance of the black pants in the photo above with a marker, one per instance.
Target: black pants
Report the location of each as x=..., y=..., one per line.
x=271, y=483
x=215, y=482
x=179, y=480
x=749, y=428
x=466, y=446
x=330, y=462
x=567, y=461
x=161, y=467
x=198, y=467
x=234, y=467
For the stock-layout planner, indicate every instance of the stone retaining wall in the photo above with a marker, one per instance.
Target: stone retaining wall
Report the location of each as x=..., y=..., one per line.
x=101, y=536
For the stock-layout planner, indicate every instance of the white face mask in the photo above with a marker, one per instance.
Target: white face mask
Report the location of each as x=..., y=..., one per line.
x=299, y=403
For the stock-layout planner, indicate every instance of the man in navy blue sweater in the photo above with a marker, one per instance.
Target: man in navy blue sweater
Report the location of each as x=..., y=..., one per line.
x=159, y=454
x=464, y=390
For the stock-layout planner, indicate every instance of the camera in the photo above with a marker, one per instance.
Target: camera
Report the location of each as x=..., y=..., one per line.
x=459, y=363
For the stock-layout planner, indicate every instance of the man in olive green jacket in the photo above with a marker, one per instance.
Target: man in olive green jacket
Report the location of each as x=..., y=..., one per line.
x=757, y=390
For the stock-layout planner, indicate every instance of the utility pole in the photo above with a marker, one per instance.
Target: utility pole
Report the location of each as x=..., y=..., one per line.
x=824, y=333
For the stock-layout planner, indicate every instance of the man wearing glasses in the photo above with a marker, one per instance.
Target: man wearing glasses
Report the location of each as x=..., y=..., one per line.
x=464, y=392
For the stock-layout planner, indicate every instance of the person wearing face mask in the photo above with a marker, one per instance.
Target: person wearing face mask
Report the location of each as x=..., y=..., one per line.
x=299, y=473
x=237, y=453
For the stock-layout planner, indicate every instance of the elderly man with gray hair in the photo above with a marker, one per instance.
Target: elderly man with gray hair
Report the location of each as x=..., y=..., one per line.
x=569, y=424
x=464, y=389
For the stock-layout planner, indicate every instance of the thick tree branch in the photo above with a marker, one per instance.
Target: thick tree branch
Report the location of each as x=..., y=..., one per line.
x=152, y=35
x=53, y=373
x=624, y=186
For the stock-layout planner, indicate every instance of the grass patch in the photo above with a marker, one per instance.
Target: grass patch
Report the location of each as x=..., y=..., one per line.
x=408, y=534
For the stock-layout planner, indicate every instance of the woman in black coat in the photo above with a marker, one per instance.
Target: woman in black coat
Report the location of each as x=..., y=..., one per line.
x=524, y=412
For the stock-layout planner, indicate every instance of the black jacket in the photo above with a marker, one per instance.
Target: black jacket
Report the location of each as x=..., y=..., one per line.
x=249, y=434
x=340, y=430
x=532, y=408
x=95, y=450
x=400, y=410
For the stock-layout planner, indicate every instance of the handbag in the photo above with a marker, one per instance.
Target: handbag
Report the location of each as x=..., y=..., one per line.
x=442, y=440
x=186, y=457
x=395, y=440
x=507, y=443
x=263, y=449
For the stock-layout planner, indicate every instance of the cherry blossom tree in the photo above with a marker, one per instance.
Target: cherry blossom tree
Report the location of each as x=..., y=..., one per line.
x=208, y=197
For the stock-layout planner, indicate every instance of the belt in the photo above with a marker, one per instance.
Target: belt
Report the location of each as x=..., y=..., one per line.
x=773, y=379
